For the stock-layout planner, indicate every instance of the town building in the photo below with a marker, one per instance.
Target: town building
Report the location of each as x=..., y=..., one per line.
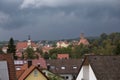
x=62, y=56
x=83, y=40
x=30, y=72
x=46, y=48
x=100, y=68
x=22, y=46
x=66, y=68
x=7, y=69
x=40, y=62
x=61, y=44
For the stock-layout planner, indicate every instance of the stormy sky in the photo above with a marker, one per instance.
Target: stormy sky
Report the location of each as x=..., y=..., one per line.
x=57, y=19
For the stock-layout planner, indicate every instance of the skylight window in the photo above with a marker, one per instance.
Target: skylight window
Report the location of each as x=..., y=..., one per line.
x=63, y=67
x=74, y=67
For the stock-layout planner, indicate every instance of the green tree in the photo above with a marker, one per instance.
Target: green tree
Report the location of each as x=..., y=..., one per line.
x=46, y=55
x=103, y=36
x=30, y=53
x=117, y=49
x=79, y=51
x=12, y=48
x=1, y=52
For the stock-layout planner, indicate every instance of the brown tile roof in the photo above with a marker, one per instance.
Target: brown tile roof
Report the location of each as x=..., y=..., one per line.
x=71, y=66
x=11, y=67
x=28, y=71
x=104, y=67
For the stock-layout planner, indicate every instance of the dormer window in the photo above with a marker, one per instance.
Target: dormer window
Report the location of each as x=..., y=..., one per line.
x=74, y=67
x=52, y=67
x=63, y=67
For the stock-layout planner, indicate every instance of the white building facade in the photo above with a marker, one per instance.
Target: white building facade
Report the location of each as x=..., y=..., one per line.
x=86, y=73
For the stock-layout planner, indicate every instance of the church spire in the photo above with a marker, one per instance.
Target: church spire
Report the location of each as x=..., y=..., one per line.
x=29, y=38
x=29, y=41
x=82, y=35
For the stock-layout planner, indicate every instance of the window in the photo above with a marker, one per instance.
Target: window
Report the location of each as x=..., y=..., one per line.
x=35, y=73
x=18, y=68
x=74, y=67
x=52, y=67
x=67, y=77
x=62, y=67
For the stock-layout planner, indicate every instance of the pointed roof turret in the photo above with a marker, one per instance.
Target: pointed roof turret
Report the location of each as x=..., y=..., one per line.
x=82, y=35
x=83, y=40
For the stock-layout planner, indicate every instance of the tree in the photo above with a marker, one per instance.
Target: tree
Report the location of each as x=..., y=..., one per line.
x=1, y=52
x=46, y=55
x=117, y=49
x=79, y=51
x=29, y=52
x=103, y=36
x=12, y=48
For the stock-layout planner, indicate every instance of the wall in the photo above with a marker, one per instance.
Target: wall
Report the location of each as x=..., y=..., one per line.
x=91, y=74
x=4, y=71
x=70, y=77
x=39, y=76
x=80, y=74
x=86, y=73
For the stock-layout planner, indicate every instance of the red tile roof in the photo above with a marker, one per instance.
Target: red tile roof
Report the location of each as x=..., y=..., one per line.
x=41, y=62
x=19, y=73
x=83, y=41
x=21, y=45
x=28, y=71
x=63, y=56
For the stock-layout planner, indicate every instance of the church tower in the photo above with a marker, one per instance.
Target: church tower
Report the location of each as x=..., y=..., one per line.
x=82, y=36
x=83, y=40
x=29, y=41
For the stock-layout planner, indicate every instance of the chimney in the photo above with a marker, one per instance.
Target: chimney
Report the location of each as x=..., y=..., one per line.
x=29, y=63
x=48, y=67
x=38, y=65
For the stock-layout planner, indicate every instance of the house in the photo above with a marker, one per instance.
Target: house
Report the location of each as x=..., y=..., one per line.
x=36, y=62
x=66, y=68
x=7, y=69
x=51, y=75
x=62, y=56
x=19, y=63
x=61, y=44
x=30, y=72
x=100, y=68
x=4, y=49
x=46, y=48
x=22, y=46
x=83, y=40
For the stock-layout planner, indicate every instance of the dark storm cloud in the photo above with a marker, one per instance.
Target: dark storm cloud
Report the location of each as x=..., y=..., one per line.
x=60, y=19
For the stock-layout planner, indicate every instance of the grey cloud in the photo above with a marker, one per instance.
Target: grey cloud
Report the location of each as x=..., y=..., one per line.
x=4, y=18
x=59, y=3
x=61, y=21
